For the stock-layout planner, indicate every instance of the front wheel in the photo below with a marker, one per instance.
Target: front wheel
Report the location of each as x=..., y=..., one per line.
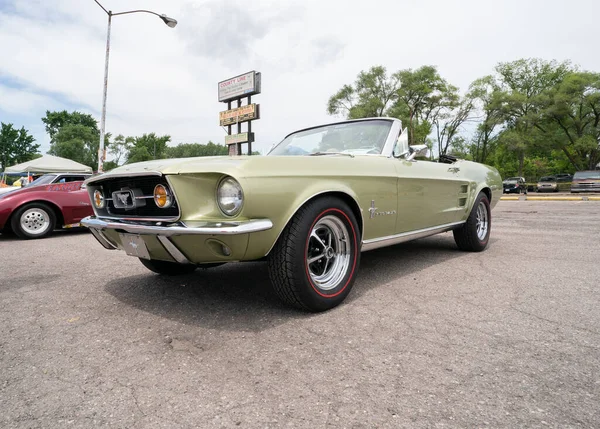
x=167, y=268
x=474, y=235
x=34, y=220
x=314, y=263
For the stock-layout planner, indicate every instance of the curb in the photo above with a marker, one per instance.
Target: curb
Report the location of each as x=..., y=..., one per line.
x=526, y=198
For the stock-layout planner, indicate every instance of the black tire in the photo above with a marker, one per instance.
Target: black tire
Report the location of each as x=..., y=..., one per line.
x=470, y=237
x=33, y=220
x=168, y=268
x=302, y=284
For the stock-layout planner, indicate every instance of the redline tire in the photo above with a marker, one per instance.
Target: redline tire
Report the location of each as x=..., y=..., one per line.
x=474, y=235
x=314, y=263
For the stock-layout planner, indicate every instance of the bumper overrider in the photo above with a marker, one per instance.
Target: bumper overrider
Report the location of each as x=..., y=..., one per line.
x=182, y=242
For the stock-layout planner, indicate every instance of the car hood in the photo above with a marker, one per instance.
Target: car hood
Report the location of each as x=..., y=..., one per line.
x=266, y=166
x=241, y=166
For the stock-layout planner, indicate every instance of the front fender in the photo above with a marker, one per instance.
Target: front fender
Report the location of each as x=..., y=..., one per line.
x=274, y=201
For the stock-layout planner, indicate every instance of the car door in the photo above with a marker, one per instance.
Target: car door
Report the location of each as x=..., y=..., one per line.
x=429, y=194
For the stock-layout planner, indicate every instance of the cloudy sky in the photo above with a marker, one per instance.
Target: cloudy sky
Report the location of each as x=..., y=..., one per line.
x=164, y=80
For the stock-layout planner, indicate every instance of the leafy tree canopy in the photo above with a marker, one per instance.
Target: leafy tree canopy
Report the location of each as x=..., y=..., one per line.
x=187, y=150
x=147, y=147
x=16, y=146
x=54, y=121
x=77, y=142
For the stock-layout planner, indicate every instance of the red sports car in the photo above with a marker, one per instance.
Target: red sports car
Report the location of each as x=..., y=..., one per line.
x=37, y=210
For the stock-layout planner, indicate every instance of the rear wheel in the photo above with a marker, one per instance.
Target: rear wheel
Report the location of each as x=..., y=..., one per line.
x=167, y=268
x=314, y=262
x=34, y=220
x=474, y=235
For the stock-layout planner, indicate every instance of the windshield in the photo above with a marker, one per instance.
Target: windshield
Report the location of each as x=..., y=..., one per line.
x=548, y=179
x=46, y=179
x=361, y=137
x=587, y=175
x=510, y=182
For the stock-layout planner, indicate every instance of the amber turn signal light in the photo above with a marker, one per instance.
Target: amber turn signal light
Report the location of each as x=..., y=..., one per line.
x=98, y=199
x=162, y=197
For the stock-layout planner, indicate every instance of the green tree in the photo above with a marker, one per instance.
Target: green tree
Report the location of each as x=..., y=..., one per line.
x=54, y=121
x=572, y=110
x=488, y=101
x=76, y=142
x=16, y=146
x=420, y=98
x=147, y=147
x=371, y=95
x=188, y=150
x=119, y=148
x=526, y=84
x=424, y=98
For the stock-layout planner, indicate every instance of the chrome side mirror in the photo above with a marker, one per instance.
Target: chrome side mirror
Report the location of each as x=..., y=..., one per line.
x=417, y=150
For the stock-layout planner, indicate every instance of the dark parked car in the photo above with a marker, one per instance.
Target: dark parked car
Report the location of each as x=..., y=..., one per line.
x=586, y=181
x=514, y=185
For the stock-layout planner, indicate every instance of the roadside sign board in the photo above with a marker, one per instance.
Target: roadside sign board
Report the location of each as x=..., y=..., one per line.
x=239, y=114
x=240, y=86
x=239, y=138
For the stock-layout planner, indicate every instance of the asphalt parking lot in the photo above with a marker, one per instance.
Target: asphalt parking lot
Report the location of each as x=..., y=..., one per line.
x=429, y=337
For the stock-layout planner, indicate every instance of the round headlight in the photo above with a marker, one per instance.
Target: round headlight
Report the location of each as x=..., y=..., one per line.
x=162, y=197
x=230, y=196
x=99, y=199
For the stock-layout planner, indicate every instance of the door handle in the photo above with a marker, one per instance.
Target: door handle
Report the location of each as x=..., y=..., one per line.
x=454, y=169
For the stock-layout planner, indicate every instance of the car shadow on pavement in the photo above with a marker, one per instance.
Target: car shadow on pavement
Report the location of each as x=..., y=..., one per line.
x=10, y=236
x=239, y=296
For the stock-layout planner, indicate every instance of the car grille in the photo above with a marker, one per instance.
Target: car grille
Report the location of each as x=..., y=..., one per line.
x=587, y=185
x=140, y=190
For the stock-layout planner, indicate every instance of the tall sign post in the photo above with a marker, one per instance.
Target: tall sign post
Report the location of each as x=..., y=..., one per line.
x=234, y=90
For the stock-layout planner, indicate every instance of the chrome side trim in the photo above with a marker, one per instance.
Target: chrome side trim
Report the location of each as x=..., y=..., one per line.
x=180, y=228
x=103, y=240
x=109, y=176
x=173, y=250
x=390, y=240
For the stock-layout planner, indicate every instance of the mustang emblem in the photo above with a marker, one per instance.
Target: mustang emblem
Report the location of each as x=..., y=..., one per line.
x=123, y=198
x=373, y=211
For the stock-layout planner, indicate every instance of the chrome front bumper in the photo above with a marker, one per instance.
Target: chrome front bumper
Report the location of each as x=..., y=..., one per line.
x=163, y=232
x=180, y=228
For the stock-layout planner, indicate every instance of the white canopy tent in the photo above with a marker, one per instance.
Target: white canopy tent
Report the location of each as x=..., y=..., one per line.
x=49, y=164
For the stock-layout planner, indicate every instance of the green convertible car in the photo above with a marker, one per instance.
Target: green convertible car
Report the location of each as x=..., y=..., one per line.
x=310, y=207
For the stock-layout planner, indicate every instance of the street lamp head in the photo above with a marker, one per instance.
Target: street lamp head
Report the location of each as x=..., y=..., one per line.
x=169, y=21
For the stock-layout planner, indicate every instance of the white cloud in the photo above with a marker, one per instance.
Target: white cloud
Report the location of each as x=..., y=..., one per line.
x=164, y=80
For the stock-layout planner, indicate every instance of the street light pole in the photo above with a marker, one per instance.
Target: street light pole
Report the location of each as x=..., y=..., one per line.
x=170, y=22
x=101, y=150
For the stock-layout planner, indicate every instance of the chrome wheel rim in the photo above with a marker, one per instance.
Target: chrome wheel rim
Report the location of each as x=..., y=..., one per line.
x=328, y=253
x=35, y=221
x=482, y=221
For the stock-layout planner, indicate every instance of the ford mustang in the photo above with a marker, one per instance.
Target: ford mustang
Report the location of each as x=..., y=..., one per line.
x=309, y=208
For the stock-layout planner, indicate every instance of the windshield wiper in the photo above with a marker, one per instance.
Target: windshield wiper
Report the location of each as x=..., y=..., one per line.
x=331, y=153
